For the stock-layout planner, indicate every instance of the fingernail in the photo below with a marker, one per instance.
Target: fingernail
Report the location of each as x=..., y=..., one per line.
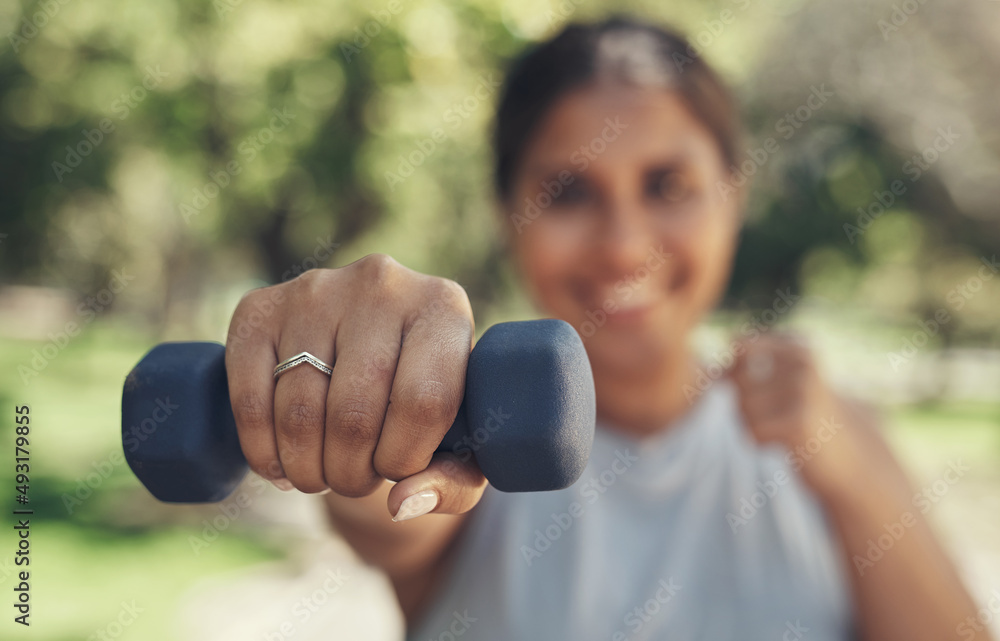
x=416, y=505
x=283, y=484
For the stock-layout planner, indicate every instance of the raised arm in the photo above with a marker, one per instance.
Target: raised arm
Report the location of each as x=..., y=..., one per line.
x=904, y=586
x=398, y=342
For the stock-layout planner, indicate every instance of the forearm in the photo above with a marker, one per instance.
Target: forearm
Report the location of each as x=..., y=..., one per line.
x=904, y=584
x=397, y=548
x=411, y=553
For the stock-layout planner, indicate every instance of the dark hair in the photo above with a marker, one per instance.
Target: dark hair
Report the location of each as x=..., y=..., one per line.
x=621, y=49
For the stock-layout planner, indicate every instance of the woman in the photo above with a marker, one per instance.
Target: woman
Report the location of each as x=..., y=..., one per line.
x=756, y=507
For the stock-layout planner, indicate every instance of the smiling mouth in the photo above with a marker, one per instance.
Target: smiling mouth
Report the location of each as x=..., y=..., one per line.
x=624, y=306
x=630, y=316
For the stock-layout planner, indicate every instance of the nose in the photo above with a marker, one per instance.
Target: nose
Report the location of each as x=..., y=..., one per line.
x=624, y=238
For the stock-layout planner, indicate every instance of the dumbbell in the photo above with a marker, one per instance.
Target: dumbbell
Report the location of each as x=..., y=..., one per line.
x=527, y=415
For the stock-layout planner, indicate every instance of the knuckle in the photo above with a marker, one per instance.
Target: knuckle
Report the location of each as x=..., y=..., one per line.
x=450, y=290
x=355, y=422
x=354, y=491
x=311, y=283
x=251, y=412
x=353, y=486
x=396, y=466
x=378, y=370
x=449, y=295
x=427, y=404
x=261, y=299
x=308, y=484
x=248, y=299
x=303, y=422
x=250, y=316
x=309, y=277
x=267, y=467
x=378, y=269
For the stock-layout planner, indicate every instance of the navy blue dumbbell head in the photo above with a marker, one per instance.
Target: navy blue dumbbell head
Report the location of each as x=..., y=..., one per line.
x=530, y=405
x=178, y=431
x=527, y=416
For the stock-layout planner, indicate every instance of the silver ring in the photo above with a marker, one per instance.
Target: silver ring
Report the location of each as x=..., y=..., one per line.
x=299, y=359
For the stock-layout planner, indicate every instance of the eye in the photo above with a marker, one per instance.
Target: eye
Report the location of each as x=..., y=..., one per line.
x=574, y=193
x=667, y=185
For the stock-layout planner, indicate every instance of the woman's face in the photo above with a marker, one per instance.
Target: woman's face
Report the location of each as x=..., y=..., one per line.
x=628, y=236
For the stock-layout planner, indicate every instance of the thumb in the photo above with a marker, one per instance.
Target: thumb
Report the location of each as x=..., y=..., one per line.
x=449, y=485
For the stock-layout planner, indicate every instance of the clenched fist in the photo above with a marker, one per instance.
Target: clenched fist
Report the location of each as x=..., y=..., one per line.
x=784, y=399
x=398, y=343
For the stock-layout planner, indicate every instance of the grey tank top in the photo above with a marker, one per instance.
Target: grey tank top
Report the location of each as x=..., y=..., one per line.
x=694, y=533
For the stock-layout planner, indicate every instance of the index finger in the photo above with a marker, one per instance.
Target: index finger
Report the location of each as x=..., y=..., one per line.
x=250, y=361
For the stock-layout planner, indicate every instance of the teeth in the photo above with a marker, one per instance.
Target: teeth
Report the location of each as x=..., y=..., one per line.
x=625, y=307
x=634, y=298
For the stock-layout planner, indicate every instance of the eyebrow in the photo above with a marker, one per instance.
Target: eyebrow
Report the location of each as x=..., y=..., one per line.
x=545, y=168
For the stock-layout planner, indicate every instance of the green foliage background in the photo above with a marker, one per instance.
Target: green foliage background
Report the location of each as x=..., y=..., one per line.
x=366, y=85
x=363, y=86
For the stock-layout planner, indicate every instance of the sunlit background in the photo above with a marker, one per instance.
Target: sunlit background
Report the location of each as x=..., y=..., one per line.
x=159, y=159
